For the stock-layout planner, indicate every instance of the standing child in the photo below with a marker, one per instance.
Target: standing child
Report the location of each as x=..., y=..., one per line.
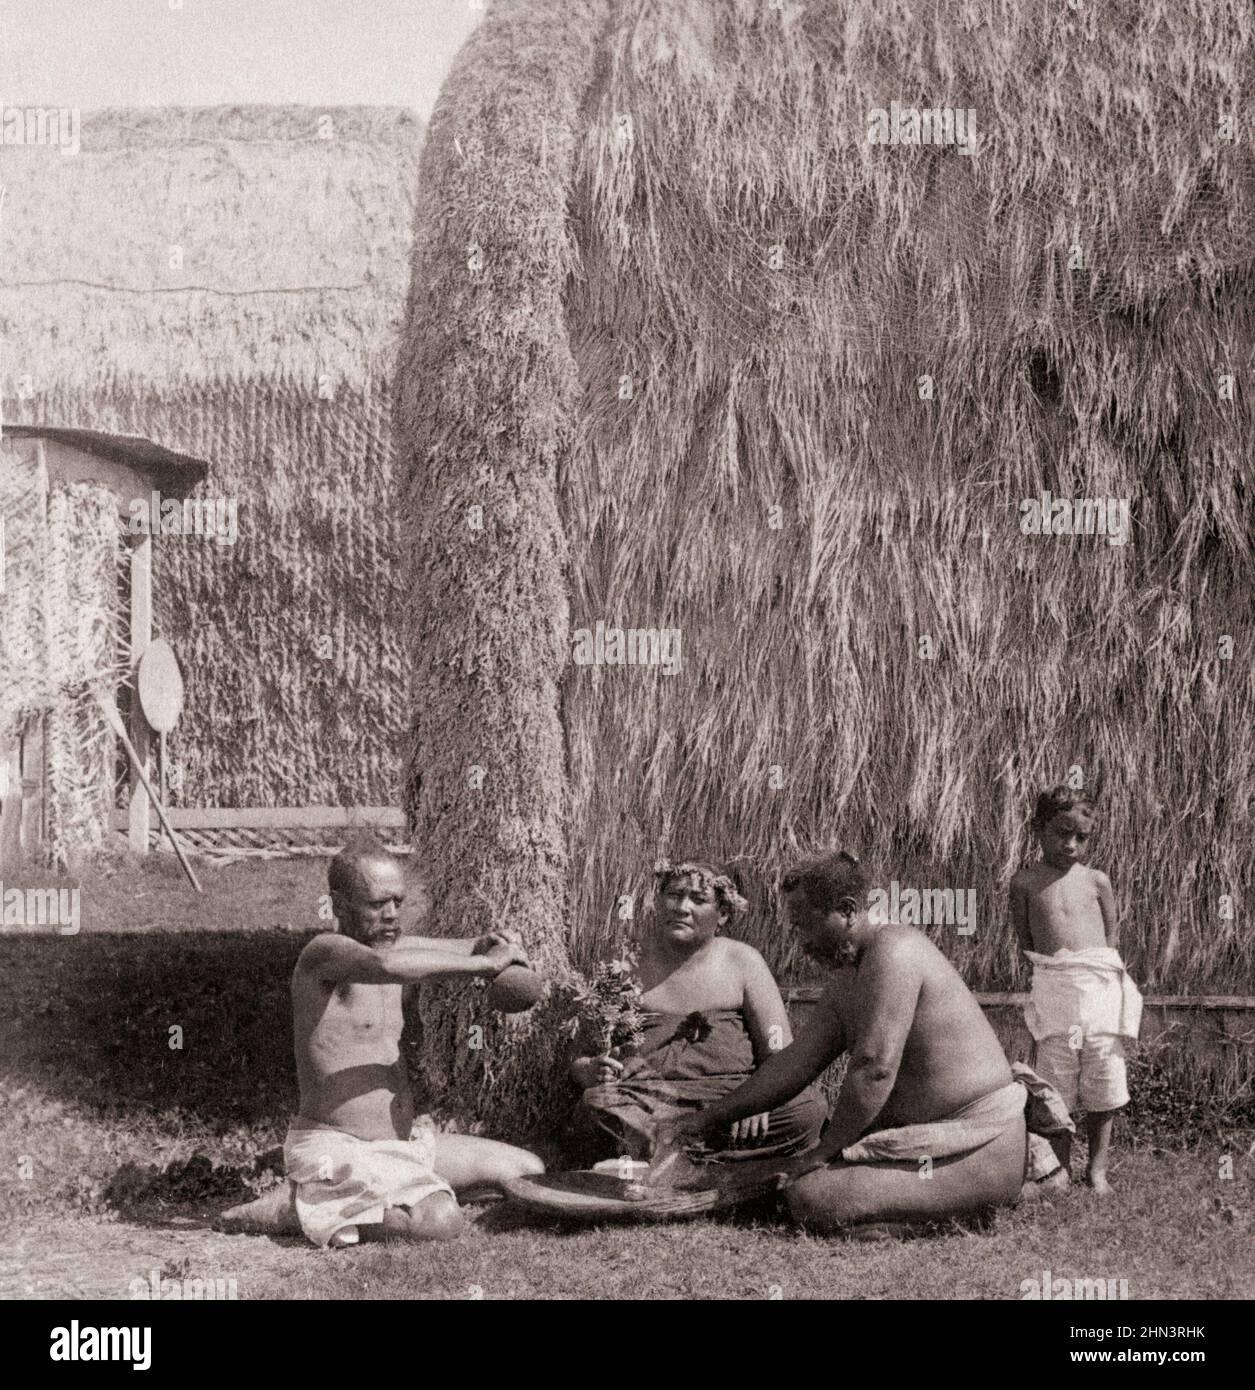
x=1082, y=1004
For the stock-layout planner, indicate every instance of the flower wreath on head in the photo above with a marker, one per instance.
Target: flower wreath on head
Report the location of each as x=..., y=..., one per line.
x=721, y=885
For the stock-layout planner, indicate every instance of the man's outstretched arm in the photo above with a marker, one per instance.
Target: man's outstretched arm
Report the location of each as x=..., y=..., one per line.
x=782, y=1075
x=455, y=945
x=467, y=945
x=345, y=961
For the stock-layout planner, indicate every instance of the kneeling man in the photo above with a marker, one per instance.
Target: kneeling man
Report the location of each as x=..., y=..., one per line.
x=929, y=1122
x=360, y=1166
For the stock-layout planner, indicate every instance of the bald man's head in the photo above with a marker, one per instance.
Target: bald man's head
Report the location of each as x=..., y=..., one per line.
x=368, y=887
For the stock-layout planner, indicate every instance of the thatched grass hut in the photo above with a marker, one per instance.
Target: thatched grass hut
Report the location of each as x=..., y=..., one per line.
x=228, y=283
x=710, y=359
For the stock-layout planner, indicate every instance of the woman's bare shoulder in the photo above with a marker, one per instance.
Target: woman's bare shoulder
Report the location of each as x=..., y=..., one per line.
x=741, y=959
x=740, y=952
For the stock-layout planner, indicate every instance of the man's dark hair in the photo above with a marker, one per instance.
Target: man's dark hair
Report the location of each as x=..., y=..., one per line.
x=1059, y=799
x=828, y=880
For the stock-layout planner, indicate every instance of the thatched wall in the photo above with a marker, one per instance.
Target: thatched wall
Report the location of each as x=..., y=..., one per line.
x=85, y=559
x=23, y=620
x=229, y=283
x=751, y=294
x=800, y=388
x=60, y=643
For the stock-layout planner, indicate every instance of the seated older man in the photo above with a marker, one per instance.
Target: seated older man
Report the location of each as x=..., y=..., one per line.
x=929, y=1122
x=360, y=1166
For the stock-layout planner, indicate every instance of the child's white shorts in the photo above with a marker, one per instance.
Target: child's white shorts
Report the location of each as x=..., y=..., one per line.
x=1094, y=1073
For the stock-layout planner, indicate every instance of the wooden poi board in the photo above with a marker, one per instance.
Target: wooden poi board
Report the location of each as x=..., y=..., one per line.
x=160, y=685
x=587, y=1196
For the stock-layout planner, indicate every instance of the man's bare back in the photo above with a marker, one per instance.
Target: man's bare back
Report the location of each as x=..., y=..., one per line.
x=951, y=1056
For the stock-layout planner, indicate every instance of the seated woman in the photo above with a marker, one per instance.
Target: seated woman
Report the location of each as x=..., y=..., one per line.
x=714, y=1014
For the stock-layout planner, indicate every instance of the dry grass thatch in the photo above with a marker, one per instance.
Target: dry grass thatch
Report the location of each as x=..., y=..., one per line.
x=229, y=283
x=645, y=251
x=487, y=408
x=60, y=643
x=801, y=389
x=84, y=557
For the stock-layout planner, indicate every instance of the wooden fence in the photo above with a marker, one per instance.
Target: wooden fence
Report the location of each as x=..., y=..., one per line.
x=1216, y=1029
x=271, y=832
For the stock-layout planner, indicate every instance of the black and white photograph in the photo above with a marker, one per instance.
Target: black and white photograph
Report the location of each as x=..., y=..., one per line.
x=626, y=640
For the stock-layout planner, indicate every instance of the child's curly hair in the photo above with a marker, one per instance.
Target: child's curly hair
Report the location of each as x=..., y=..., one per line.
x=711, y=877
x=1059, y=799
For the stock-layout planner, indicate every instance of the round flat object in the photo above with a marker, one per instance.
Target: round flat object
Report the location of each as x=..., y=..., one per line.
x=630, y=1169
x=586, y=1196
x=589, y=1196
x=160, y=686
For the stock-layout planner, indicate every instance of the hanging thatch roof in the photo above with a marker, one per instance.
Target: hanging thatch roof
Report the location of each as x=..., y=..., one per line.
x=228, y=283
x=183, y=248
x=703, y=295
x=171, y=472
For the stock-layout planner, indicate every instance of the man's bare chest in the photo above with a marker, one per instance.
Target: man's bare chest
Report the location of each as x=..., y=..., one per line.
x=364, y=1014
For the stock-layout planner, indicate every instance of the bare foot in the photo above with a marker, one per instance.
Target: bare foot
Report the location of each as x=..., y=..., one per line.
x=273, y=1214
x=1098, y=1184
x=1051, y=1186
x=437, y=1217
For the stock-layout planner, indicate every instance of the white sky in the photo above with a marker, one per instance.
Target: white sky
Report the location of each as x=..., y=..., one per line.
x=89, y=53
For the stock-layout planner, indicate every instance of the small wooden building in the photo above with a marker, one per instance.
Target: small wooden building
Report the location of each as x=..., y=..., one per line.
x=76, y=579
x=241, y=307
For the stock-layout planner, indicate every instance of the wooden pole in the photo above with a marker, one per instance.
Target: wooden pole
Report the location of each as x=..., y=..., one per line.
x=34, y=771
x=10, y=804
x=115, y=722
x=139, y=817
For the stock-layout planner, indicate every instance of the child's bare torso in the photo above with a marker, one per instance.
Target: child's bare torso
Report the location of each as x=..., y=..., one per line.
x=1063, y=906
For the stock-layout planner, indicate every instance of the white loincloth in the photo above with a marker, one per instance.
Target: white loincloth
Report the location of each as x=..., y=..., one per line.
x=341, y=1180
x=1090, y=989
x=976, y=1125
x=967, y=1130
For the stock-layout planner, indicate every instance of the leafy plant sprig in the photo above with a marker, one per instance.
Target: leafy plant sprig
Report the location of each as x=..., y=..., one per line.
x=610, y=1001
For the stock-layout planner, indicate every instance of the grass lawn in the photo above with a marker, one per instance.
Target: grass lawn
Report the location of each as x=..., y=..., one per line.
x=1173, y=1230
x=115, y=1147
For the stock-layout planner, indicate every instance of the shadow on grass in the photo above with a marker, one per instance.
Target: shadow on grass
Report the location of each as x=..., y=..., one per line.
x=768, y=1213
x=174, y=1193
x=149, y=1023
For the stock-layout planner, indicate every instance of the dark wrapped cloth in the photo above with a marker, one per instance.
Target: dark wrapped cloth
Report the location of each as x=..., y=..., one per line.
x=682, y=1062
